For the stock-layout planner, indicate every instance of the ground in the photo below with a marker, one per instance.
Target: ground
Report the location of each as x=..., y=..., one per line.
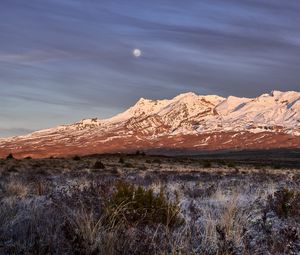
x=213, y=205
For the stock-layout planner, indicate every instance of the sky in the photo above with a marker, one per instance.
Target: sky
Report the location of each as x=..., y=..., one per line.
x=65, y=60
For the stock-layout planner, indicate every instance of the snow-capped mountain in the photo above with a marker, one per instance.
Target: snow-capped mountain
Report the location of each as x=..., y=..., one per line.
x=188, y=122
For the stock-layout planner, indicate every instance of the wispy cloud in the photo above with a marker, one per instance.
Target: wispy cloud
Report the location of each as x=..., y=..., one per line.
x=75, y=56
x=34, y=56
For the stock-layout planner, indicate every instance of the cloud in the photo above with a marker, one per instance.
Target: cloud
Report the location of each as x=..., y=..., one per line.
x=76, y=55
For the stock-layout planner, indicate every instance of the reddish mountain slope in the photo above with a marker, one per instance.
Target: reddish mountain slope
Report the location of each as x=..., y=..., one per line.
x=186, y=123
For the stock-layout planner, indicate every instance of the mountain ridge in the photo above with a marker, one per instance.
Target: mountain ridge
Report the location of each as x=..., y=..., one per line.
x=268, y=120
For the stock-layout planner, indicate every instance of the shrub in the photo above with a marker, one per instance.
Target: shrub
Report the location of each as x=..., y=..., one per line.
x=99, y=165
x=121, y=161
x=258, y=166
x=137, y=205
x=12, y=169
x=129, y=165
x=231, y=165
x=140, y=153
x=276, y=166
x=285, y=203
x=157, y=161
x=76, y=158
x=10, y=156
x=206, y=164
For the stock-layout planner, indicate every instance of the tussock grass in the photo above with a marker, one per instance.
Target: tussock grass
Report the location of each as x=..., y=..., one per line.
x=16, y=188
x=62, y=206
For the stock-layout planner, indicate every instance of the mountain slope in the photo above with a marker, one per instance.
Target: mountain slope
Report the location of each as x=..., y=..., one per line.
x=187, y=122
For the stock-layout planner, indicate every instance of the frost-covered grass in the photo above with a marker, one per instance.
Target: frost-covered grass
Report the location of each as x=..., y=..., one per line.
x=69, y=206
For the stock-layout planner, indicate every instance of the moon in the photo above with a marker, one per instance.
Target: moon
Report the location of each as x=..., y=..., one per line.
x=137, y=53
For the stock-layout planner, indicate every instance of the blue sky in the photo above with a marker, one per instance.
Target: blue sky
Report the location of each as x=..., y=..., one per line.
x=64, y=60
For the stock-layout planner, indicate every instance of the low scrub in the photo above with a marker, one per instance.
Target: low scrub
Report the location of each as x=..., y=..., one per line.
x=285, y=203
x=99, y=165
x=76, y=158
x=207, y=164
x=137, y=205
x=10, y=156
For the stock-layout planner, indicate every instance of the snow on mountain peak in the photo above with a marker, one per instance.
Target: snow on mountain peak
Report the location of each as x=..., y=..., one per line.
x=232, y=104
x=275, y=114
x=276, y=93
x=84, y=123
x=280, y=109
x=185, y=95
x=189, y=113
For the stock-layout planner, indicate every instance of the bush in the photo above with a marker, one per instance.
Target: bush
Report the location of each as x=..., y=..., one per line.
x=140, y=153
x=99, y=165
x=121, y=161
x=10, y=156
x=156, y=161
x=277, y=166
x=285, y=203
x=137, y=205
x=76, y=158
x=231, y=165
x=128, y=165
x=206, y=164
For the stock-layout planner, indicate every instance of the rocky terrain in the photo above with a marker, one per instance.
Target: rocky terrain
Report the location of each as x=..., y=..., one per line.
x=188, y=123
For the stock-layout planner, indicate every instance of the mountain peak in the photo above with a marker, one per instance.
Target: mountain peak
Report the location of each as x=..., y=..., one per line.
x=180, y=122
x=185, y=94
x=142, y=100
x=276, y=93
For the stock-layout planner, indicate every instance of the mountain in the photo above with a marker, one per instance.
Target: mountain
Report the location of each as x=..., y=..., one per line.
x=188, y=123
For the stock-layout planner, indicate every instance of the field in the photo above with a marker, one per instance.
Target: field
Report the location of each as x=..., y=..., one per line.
x=228, y=203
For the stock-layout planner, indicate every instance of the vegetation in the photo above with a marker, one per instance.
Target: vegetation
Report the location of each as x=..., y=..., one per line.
x=140, y=153
x=121, y=160
x=137, y=205
x=65, y=206
x=76, y=158
x=10, y=156
x=231, y=165
x=99, y=165
x=207, y=164
x=128, y=165
x=286, y=203
x=156, y=161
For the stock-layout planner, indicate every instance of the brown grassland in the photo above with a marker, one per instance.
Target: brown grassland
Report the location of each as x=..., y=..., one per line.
x=139, y=204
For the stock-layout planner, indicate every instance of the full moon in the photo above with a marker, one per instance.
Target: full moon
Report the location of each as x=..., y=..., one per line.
x=137, y=53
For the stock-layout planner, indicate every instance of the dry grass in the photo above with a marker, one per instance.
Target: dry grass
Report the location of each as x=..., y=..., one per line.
x=58, y=206
x=83, y=230
x=233, y=220
x=16, y=188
